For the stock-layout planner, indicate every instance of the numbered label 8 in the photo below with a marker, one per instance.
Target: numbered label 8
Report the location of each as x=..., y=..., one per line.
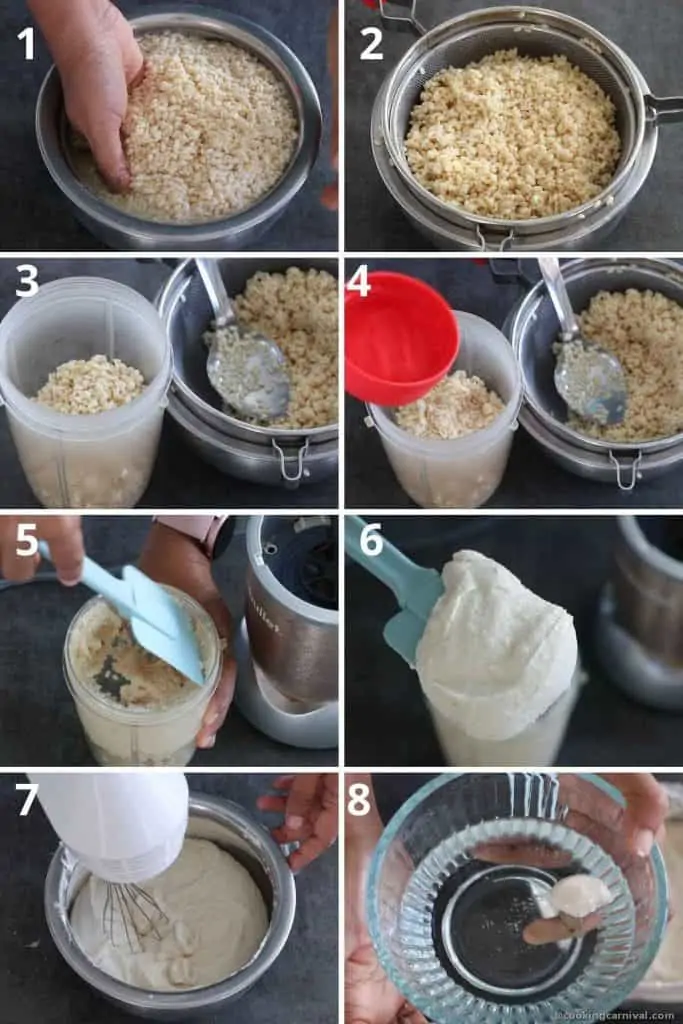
x=358, y=805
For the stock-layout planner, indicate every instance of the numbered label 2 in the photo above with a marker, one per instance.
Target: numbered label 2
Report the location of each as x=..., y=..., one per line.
x=371, y=51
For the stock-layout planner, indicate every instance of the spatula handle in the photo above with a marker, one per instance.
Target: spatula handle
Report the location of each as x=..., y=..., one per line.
x=114, y=590
x=389, y=565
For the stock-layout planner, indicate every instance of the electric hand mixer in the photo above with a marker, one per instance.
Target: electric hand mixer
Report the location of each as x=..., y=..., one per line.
x=125, y=828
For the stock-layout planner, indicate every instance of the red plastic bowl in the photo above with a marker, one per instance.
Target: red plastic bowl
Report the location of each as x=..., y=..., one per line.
x=400, y=340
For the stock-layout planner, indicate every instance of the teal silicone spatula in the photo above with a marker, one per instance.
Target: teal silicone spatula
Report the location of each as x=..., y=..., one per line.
x=416, y=589
x=158, y=624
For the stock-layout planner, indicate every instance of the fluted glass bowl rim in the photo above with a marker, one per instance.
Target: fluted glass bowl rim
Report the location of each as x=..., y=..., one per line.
x=616, y=995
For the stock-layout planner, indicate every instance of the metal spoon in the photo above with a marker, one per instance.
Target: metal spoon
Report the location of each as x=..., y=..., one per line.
x=246, y=369
x=589, y=378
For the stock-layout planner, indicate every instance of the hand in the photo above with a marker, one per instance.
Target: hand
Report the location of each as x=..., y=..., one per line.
x=62, y=533
x=98, y=59
x=369, y=996
x=630, y=833
x=330, y=196
x=174, y=559
x=310, y=804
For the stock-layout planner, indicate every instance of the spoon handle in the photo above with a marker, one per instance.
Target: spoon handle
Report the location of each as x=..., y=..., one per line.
x=210, y=273
x=554, y=282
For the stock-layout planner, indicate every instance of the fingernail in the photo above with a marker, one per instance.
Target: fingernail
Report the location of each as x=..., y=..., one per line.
x=69, y=580
x=294, y=821
x=208, y=743
x=643, y=842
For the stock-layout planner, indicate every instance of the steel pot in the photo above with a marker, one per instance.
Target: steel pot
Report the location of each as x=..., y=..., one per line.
x=532, y=328
x=264, y=455
x=534, y=32
x=230, y=827
x=292, y=614
x=121, y=230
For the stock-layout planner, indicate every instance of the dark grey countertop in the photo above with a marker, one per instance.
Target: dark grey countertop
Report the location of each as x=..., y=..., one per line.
x=35, y=216
x=38, y=720
x=391, y=791
x=566, y=561
x=650, y=35
x=180, y=478
x=532, y=479
x=37, y=985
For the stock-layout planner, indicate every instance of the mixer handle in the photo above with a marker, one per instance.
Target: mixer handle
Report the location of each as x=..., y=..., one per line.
x=401, y=22
x=665, y=109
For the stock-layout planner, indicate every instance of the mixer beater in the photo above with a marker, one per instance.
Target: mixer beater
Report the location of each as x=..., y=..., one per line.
x=125, y=828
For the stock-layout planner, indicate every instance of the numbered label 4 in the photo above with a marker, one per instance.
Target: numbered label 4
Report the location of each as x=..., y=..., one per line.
x=28, y=277
x=358, y=282
x=371, y=542
x=27, y=542
x=371, y=51
x=358, y=805
x=31, y=790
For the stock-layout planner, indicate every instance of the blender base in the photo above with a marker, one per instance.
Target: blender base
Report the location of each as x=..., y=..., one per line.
x=293, y=723
x=631, y=667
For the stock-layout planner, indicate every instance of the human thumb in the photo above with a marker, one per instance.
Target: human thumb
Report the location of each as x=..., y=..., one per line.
x=104, y=136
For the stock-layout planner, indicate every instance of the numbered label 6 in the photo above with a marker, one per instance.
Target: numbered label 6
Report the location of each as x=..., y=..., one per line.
x=371, y=542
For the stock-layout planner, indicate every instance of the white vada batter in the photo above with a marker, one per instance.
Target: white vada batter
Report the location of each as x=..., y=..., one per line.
x=217, y=919
x=494, y=656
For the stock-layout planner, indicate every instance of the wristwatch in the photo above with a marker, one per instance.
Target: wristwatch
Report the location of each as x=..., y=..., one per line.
x=212, y=534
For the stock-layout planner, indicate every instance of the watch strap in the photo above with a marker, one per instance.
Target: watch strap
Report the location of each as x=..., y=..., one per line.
x=203, y=529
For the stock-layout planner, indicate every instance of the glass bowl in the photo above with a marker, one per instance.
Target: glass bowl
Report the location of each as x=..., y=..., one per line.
x=468, y=862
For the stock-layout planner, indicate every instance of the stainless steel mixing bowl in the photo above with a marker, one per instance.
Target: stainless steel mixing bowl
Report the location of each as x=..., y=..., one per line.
x=231, y=828
x=532, y=328
x=121, y=230
x=534, y=32
x=266, y=455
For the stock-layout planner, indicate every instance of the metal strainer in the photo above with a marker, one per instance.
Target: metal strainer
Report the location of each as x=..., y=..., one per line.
x=533, y=32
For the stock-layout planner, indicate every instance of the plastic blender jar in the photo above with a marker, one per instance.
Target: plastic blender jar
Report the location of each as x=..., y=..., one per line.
x=537, y=744
x=163, y=736
x=102, y=460
x=463, y=472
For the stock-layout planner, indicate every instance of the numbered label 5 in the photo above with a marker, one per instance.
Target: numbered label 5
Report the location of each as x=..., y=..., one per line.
x=27, y=542
x=358, y=804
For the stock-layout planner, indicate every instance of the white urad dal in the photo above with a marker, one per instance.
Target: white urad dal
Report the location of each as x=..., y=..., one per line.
x=217, y=920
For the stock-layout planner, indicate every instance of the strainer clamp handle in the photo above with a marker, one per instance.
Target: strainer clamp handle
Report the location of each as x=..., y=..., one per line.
x=627, y=469
x=401, y=22
x=665, y=109
x=292, y=481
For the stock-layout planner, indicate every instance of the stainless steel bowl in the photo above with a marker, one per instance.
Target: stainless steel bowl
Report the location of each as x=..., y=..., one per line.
x=532, y=328
x=265, y=455
x=231, y=828
x=121, y=230
x=534, y=32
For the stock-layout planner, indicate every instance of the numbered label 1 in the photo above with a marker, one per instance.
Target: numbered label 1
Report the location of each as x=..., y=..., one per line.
x=28, y=276
x=27, y=542
x=371, y=542
x=31, y=790
x=371, y=51
x=358, y=805
x=358, y=282
x=27, y=37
